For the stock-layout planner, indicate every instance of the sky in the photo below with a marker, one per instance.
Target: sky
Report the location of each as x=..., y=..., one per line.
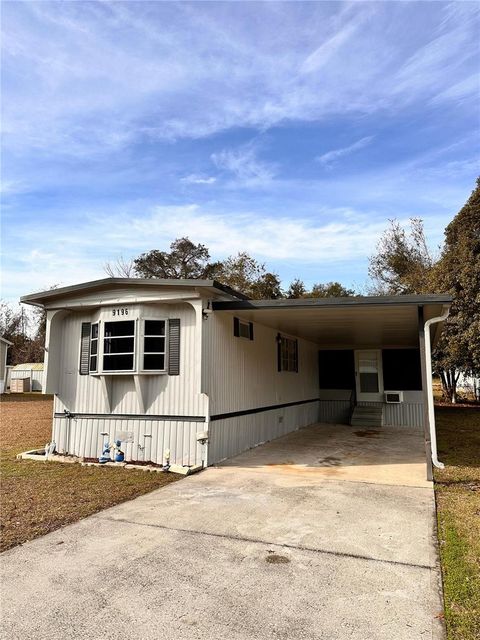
x=293, y=131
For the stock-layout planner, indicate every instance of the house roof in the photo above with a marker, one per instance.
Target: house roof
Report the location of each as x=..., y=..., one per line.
x=356, y=322
x=210, y=286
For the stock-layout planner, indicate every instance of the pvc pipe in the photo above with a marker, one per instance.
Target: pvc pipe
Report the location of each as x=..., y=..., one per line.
x=431, y=411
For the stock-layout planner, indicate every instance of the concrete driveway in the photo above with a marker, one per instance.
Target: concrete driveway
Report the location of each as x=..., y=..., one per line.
x=268, y=545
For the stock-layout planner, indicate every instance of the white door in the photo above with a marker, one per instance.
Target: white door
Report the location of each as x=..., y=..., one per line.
x=368, y=375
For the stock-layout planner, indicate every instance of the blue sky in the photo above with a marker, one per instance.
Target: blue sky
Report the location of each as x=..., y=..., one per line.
x=293, y=131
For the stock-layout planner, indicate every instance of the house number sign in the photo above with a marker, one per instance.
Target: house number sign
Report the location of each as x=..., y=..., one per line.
x=120, y=311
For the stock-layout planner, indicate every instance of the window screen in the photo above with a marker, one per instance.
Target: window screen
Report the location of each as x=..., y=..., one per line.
x=337, y=369
x=154, y=345
x=119, y=346
x=401, y=370
x=288, y=354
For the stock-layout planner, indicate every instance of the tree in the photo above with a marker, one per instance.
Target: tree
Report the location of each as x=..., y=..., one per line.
x=297, y=289
x=402, y=263
x=17, y=326
x=120, y=268
x=245, y=274
x=330, y=290
x=184, y=260
x=458, y=272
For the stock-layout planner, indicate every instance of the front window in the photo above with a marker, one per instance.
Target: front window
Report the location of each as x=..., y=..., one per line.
x=154, y=345
x=119, y=346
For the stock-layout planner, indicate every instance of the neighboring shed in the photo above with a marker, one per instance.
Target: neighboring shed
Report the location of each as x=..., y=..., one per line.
x=4, y=344
x=31, y=370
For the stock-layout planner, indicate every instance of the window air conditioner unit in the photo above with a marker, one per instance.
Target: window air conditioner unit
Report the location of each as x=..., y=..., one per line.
x=393, y=397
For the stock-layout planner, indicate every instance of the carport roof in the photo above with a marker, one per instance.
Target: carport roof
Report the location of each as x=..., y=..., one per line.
x=373, y=321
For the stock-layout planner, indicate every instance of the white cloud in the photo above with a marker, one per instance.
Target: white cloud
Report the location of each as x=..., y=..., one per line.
x=330, y=157
x=194, y=178
x=244, y=164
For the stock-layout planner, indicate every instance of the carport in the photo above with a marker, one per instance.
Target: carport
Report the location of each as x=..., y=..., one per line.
x=374, y=358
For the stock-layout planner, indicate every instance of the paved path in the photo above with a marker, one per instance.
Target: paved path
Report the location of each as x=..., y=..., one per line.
x=237, y=553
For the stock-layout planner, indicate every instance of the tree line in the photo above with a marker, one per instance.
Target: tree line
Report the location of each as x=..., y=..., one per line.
x=401, y=264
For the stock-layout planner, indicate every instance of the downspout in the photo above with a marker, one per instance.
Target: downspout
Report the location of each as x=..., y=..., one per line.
x=428, y=367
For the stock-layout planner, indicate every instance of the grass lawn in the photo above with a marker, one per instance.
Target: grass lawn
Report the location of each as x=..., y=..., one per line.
x=38, y=497
x=457, y=491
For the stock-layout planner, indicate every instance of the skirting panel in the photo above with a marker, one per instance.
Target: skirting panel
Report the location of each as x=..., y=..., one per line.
x=404, y=414
x=231, y=436
x=85, y=437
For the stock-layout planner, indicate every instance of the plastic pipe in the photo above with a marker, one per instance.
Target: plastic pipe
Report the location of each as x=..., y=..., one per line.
x=428, y=366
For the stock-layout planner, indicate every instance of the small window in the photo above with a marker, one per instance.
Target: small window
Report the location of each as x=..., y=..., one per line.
x=119, y=346
x=94, y=347
x=154, y=341
x=288, y=354
x=242, y=329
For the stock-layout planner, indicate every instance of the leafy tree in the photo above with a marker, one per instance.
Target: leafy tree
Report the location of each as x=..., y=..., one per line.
x=458, y=272
x=297, y=289
x=245, y=274
x=330, y=290
x=184, y=260
x=402, y=263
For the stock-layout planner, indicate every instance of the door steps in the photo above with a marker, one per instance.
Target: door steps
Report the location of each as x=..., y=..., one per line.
x=367, y=416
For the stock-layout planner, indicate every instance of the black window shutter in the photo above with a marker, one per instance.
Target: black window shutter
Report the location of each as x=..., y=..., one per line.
x=250, y=325
x=279, y=352
x=236, y=327
x=85, y=348
x=174, y=347
x=296, y=356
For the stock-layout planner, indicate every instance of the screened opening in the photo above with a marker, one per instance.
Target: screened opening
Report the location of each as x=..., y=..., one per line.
x=154, y=345
x=94, y=347
x=337, y=369
x=119, y=346
x=401, y=369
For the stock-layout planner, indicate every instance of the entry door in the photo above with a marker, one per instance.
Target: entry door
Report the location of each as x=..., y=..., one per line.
x=368, y=375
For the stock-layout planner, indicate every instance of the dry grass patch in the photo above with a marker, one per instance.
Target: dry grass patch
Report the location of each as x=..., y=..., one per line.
x=38, y=497
x=457, y=491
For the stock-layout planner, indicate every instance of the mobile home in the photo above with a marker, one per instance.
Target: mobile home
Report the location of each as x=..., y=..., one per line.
x=194, y=371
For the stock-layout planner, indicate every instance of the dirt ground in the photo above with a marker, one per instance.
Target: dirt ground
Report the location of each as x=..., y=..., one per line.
x=38, y=497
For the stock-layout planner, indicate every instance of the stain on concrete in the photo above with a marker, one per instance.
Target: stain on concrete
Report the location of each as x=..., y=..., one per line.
x=274, y=558
x=330, y=461
x=367, y=433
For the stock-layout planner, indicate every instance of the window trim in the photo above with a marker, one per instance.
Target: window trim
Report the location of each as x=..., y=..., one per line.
x=142, y=352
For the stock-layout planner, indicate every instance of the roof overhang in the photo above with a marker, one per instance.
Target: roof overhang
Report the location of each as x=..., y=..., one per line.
x=357, y=322
x=209, y=287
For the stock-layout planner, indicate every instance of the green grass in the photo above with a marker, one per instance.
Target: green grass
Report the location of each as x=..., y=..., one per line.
x=457, y=491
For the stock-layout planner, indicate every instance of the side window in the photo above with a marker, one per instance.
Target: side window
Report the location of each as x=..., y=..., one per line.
x=154, y=345
x=287, y=354
x=242, y=329
x=94, y=347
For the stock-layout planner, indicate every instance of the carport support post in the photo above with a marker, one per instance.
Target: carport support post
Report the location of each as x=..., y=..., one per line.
x=425, y=387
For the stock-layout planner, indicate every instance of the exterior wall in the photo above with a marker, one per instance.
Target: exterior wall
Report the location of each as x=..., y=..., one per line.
x=175, y=403
x=336, y=407
x=241, y=375
x=3, y=361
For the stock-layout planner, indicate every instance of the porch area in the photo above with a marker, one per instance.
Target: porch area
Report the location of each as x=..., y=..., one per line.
x=322, y=452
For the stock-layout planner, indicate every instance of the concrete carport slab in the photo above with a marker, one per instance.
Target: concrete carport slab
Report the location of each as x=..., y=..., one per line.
x=239, y=552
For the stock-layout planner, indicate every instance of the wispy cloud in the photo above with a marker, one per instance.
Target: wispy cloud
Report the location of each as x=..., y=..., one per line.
x=194, y=178
x=331, y=157
x=244, y=165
